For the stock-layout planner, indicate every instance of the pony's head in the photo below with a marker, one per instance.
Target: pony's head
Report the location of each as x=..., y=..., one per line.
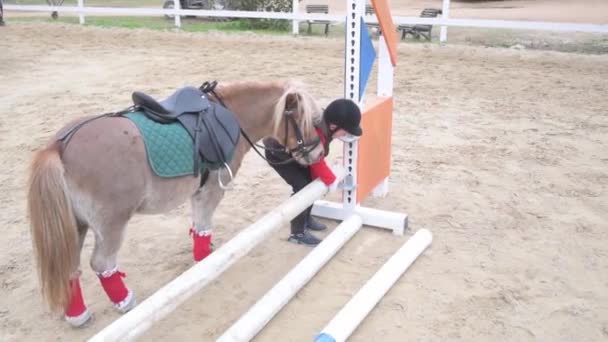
x=296, y=113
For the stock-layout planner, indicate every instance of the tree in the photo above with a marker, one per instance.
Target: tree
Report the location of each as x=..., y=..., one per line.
x=260, y=6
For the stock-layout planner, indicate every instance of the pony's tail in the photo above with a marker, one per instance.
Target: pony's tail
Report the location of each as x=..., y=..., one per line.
x=53, y=226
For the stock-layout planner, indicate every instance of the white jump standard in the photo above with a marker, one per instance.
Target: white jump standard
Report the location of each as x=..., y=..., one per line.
x=359, y=57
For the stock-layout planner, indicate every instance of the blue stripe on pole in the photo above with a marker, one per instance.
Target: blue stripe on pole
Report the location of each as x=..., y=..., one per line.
x=367, y=57
x=323, y=337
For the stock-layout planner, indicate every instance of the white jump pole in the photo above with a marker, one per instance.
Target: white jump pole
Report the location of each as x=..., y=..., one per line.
x=353, y=313
x=169, y=297
x=274, y=300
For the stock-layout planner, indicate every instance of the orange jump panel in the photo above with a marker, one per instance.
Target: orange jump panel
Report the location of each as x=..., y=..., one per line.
x=374, y=158
x=383, y=12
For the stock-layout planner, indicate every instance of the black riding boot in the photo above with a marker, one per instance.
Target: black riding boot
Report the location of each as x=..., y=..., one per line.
x=299, y=233
x=312, y=223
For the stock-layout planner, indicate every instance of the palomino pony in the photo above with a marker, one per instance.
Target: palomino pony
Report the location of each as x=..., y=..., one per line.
x=102, y=177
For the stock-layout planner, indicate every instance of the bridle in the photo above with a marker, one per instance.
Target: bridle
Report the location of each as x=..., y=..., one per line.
x=302, y=150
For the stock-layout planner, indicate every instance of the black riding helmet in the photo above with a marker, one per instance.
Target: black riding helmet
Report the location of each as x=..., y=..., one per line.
x=345, y=114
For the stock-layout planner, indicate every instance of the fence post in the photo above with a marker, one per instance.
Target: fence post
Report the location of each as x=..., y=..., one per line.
x=295, y=24
x=443, y=37
x=177, y=6
x=81, y=14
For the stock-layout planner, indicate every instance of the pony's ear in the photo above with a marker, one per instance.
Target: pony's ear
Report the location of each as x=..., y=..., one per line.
x=292, y=100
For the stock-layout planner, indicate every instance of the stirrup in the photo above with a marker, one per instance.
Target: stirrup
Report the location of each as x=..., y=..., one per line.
x=229, y=186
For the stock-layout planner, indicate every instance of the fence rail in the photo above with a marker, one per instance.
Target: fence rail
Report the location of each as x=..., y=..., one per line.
x=296, y=17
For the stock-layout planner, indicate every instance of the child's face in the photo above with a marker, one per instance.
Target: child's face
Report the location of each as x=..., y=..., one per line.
x=337, y=134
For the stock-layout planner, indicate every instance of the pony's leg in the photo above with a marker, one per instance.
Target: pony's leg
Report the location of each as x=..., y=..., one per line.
x=204, y=202
x=108, y=239
x=77, y=313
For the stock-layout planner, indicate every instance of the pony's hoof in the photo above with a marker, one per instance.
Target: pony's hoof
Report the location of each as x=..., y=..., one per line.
x=80, y=320
x=126, y=304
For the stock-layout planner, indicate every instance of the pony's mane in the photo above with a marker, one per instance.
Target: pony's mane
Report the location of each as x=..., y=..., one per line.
x=309, y=111
x=228, y=89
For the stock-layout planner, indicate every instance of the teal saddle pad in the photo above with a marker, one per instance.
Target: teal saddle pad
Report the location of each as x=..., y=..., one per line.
x=169, y=146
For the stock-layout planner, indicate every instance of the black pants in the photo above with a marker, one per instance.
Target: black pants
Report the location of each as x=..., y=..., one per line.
x=294, y=174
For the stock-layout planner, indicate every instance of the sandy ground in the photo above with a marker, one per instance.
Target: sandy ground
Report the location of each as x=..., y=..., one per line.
x=501, y=153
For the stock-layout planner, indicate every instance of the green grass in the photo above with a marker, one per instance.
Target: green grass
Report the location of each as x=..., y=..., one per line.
x=156, y=23
x=564, y=42
x=159, y=23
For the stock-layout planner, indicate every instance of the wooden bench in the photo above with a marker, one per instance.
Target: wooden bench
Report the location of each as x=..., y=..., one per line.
x=324, y=9
x=420, y=30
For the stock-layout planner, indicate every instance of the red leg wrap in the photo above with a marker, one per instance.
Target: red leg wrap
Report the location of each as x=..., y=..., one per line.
x=76, y=306
x=201, y=245
x=114, y=286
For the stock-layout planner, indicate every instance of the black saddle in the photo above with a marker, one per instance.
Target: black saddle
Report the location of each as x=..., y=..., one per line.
x=213, y=128
x=184, y=100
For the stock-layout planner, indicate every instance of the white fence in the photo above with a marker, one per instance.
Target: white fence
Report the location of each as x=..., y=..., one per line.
x=296, y=17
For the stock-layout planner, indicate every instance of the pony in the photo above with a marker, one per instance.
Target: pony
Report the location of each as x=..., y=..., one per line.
x=102, y=177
